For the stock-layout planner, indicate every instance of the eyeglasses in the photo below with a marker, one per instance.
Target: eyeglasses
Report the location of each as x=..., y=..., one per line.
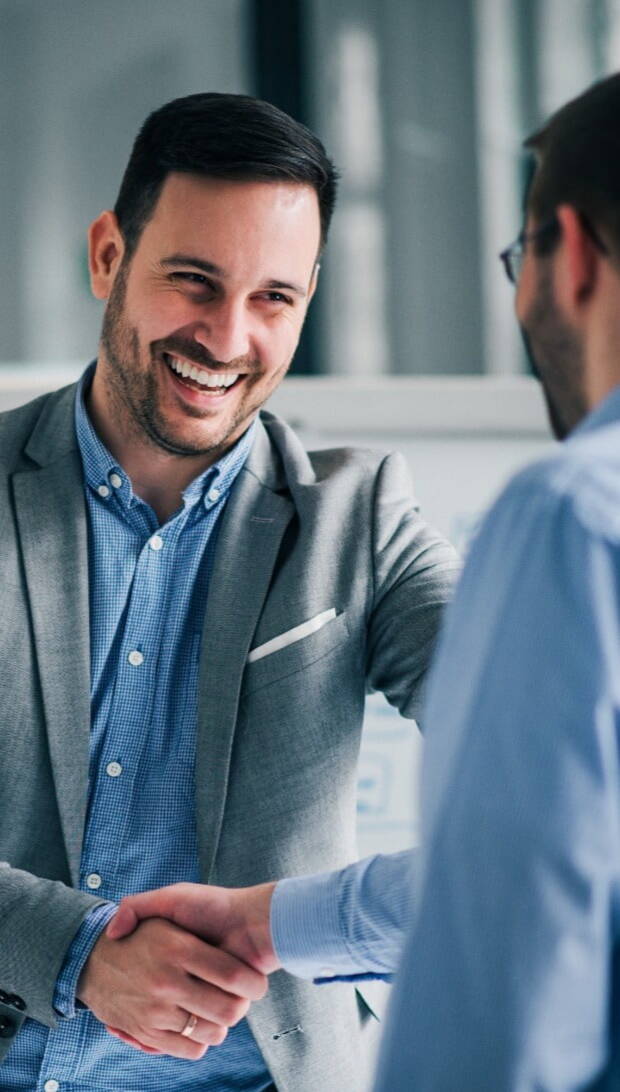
x=512, y=257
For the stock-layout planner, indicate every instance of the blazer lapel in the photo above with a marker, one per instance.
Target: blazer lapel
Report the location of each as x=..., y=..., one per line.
x=249, y=539
x=51, y=521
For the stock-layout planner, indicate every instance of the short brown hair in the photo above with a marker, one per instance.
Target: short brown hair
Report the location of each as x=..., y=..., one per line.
x=578, y=160
x=220, y=136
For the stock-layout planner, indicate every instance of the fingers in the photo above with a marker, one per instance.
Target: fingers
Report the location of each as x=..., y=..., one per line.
x=204, y=1034
x=129, y=1039
x=219, y=968
x=213, y=1005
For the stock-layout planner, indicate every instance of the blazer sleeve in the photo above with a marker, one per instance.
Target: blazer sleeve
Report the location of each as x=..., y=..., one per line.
x=414, y=571
x=38, y=920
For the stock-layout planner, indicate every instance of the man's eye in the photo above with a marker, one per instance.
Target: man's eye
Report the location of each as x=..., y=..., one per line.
x=278, y=297
x=186, y=277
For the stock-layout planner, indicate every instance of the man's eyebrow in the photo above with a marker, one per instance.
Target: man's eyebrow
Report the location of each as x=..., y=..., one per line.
x=217, y=271
x=289, y=287
x=198, y=263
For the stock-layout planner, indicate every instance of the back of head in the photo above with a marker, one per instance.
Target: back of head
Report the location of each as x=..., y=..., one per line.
x=222, y=136
x=578, y=153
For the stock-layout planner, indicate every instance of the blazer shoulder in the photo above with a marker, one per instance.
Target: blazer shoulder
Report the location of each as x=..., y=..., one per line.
x=18, y=425
x=321, y=465
x=366, y=462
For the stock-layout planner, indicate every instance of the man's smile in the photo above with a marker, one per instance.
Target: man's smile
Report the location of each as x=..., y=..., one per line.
x=197, y=378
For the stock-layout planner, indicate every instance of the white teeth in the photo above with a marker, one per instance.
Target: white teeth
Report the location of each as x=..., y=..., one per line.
x=199, y=375
x=220, y=380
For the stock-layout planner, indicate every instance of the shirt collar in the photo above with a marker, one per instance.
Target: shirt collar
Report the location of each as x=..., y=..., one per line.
x=606, y=413
x=106, y=477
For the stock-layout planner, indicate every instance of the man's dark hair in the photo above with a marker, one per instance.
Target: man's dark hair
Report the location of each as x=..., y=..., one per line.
x=232, y=137
x=578, y=162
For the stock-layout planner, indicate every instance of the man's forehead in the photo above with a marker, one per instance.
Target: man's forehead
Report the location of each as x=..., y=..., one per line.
x=185, y=192
x=271, y=228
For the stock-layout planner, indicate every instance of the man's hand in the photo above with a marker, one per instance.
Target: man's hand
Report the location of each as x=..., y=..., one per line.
x=236, y=919
x=145, y=987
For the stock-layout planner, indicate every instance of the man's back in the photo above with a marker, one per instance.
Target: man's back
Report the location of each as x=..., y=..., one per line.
x=517, y=921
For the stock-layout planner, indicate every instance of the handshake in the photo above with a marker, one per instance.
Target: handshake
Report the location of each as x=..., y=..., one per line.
x=177, y=967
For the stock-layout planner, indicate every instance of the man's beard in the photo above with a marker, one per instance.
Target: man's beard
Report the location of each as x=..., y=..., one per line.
x=555, y=354
x=133, y=389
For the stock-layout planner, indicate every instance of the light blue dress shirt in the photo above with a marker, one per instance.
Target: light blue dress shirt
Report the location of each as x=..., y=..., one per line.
x=148, y=592
x=510, y=977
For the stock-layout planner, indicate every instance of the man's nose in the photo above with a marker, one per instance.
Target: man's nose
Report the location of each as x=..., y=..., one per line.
x=225, y=332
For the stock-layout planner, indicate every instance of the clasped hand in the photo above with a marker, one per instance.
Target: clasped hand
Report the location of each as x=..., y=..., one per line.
x=204, y=951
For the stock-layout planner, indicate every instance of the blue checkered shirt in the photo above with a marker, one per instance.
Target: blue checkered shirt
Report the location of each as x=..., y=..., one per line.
x=148, y=592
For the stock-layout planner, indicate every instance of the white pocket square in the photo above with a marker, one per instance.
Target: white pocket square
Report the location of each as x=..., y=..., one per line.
x=292, y=635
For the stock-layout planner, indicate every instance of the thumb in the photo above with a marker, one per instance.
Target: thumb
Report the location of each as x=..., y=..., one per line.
x=133, y=908
x=124, y=921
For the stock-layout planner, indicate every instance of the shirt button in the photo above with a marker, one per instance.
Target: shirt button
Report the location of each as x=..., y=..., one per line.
x=156, y=542
x=94, y=881
x=135, y=658
x=114, y=769
x=103, y=491
x=51, y=1086
x=116, y=480
x=213, y=494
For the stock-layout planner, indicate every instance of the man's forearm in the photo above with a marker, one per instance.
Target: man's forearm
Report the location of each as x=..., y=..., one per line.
x=40, y=919
x=81, y=947
x=346, y=924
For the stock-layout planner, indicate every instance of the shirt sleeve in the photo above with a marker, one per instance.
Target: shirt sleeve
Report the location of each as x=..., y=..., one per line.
x=345, y=925
x=505, y=982
x=65, y=1001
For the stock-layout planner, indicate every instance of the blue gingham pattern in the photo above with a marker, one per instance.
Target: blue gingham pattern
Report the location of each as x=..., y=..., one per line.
x=149, y=587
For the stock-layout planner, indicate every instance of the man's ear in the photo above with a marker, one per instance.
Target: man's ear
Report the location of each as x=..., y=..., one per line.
x=313, y=280
x=106, y=249
x=578, y=269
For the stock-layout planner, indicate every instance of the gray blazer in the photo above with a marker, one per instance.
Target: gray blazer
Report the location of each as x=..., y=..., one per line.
x=278, y=736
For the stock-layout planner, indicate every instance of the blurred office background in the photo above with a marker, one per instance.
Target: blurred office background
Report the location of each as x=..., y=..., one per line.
x=411, y=342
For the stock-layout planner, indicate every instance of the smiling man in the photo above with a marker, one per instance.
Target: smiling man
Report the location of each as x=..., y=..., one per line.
x=197, y=606
x=202, y=321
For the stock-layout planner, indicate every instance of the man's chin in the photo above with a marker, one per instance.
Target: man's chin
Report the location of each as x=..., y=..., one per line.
x=558, y=427
x=188, y=442
x=557, y=424
x=185, y=447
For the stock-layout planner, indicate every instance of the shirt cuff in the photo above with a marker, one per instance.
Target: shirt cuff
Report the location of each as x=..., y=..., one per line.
x=305, y=927
x=344, y=925
x=65, y=1001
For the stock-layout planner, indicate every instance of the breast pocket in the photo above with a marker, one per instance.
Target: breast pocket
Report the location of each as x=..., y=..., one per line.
x=295, y=656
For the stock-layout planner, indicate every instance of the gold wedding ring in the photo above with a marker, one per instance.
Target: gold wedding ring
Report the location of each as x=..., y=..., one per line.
x=189, y=1026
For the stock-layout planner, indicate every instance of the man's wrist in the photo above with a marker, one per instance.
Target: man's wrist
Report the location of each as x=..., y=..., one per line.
x=65, y=994
x=255, y=905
